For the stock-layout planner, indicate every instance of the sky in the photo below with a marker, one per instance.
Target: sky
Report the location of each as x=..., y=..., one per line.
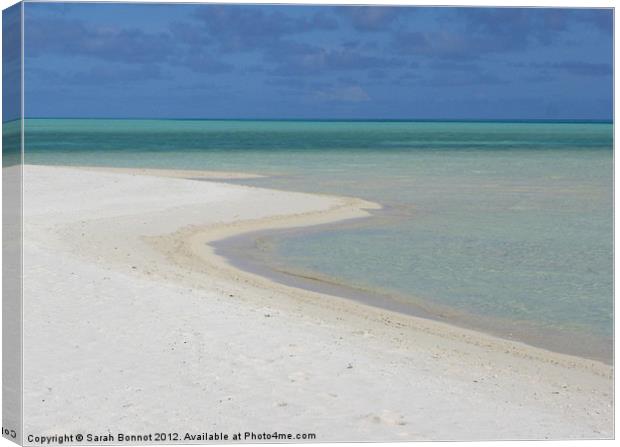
x=316, y=62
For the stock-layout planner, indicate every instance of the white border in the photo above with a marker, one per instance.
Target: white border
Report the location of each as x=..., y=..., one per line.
x=496, y=3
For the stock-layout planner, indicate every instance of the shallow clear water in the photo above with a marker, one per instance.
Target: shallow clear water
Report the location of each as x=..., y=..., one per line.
x=505, y=221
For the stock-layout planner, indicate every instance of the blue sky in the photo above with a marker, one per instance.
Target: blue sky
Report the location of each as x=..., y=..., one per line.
x=265, y=61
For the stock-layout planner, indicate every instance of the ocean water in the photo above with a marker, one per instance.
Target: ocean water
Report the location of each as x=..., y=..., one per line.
x=505, y=227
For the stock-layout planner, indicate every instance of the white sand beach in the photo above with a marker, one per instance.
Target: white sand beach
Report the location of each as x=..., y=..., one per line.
x=134, y=325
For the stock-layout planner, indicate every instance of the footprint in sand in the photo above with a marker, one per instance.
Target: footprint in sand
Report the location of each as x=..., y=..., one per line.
x=298, y=376
x=386, y=417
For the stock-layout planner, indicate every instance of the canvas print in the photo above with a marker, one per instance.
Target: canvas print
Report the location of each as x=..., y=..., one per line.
x=228, y=223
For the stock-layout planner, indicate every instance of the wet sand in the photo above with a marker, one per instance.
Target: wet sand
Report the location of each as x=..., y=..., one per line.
x=252, y=252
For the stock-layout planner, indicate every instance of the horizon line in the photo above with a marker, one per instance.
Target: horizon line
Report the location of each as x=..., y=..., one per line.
x=456, y=120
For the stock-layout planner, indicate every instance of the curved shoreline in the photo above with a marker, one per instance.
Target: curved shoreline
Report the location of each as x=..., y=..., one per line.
x=231, y=249
x=193, y=248
x=196, y=244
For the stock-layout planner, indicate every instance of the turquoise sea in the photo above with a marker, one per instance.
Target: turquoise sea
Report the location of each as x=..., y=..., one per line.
x=501, y=226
